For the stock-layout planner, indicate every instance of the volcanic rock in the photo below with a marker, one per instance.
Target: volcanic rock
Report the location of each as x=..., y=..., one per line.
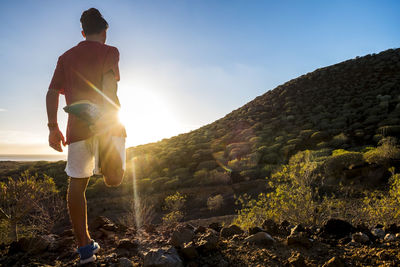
x=261, y=238
x=162, y=257
x=230, y=231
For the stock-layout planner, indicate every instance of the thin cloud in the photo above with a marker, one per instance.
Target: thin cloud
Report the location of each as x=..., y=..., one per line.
x=3, y=109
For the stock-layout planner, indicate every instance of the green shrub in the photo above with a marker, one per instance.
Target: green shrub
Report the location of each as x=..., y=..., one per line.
x=385, y=153
x=336, y=164
x=293, y=198
x=174, y=204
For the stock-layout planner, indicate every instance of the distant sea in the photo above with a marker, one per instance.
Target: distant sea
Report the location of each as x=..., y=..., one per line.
x=19, y=157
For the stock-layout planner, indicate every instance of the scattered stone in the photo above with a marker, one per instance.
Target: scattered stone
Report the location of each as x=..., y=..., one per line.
x=124, y=262
x=200, y=229
x=162, y=257
x=230, y=231
x=334, y=262
x=180, y=237
x=127, y=243
x=189, y=226
x=360, y=238
x=99, y=221
x=215, y=226
x=378, y=232
x=299, y=239
x=255, y=230
x=393, y=229
x=149, y=228
x=337, y=228
x=297, y=229
x=297, y=261
x=262, y=238
x=34, y=245
x=235, y=238
x=110, y=227
x=271, y=227
x=107, y=234
x=389, y=237
x=208, y=241
x=189, y=251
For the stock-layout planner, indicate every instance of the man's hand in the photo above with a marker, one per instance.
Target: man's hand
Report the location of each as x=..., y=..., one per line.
x=56, y=138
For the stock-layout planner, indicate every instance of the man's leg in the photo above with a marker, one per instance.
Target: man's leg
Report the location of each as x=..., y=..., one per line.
x=76, y=200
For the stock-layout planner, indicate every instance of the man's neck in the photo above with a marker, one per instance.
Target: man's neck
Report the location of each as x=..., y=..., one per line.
x=94, y=38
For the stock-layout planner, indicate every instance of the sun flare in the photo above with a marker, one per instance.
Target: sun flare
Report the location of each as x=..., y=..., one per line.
x=146, y=116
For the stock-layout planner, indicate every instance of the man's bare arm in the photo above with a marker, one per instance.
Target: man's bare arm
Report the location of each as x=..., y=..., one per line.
x=56, y=138
x=52, y=97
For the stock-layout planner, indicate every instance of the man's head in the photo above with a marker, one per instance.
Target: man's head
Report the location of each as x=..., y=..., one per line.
x=94, y=25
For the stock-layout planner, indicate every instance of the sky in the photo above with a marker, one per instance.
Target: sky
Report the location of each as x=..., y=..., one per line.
x=183, y=64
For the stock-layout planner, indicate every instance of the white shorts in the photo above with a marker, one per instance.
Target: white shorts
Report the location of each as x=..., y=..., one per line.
x=83, y=156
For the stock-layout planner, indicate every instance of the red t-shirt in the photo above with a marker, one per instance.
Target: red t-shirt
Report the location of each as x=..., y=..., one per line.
x=77, y=71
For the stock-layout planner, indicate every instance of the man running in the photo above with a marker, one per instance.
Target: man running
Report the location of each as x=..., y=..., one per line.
x=88, y=72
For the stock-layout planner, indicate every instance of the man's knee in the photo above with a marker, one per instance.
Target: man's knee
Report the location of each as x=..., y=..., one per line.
x=114, y=179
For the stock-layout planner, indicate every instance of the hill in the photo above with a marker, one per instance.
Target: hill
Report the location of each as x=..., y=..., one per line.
x=351, y=105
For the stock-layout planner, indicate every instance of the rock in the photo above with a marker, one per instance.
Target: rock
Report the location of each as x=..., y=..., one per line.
x=297, y=229
x=162, y=257
x=389, y=237
x=235, y=238
x=398, y=236
x=99, y=221
x=208, y=241
x=230, y=231
x=299, y=239
x=378, y=232
x=297, y=261
x=110, y=227
x=334, y=262
x=271, y=227
x=255, y=230
x=34, y=245
x=107, y=234
x=200, y=229
x=215, y=226
x=360, y=238
x=189, y=226
x=180, y=237
x=261, y=238
x=128, y=244
x=336, y=228
x=393, y=229
x=189, y=251
x=149, y=228
x=124, y=262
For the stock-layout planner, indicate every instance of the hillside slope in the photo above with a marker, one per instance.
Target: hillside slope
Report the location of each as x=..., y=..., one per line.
x=349, y=105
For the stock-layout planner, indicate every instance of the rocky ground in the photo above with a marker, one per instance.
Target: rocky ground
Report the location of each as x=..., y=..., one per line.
x=337, y=243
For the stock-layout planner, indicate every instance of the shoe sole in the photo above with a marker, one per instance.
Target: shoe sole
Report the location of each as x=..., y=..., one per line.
x=90, y=259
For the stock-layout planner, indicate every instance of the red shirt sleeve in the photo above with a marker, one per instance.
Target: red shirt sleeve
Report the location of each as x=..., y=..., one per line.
x=58, y=80
x=111, y=62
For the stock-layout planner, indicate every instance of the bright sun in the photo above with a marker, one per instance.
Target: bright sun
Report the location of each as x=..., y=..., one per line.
x=146, y=116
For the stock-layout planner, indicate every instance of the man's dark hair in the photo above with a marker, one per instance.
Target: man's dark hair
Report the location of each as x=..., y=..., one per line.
x=93, y=22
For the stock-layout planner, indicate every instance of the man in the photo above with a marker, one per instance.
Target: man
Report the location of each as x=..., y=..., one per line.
x=88, y=72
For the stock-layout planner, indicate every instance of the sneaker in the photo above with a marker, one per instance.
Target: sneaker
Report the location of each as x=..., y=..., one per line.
x=86, y=253
x=95, y=246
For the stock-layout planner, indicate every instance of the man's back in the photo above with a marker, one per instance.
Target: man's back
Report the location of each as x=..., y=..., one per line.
x=79, y=76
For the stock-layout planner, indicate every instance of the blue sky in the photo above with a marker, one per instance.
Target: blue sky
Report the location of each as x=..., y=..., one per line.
x=183, y=64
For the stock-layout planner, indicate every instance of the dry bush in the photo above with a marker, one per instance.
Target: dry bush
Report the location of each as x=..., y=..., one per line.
x=29, y=204
x=215, y=202
x=141, y=212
